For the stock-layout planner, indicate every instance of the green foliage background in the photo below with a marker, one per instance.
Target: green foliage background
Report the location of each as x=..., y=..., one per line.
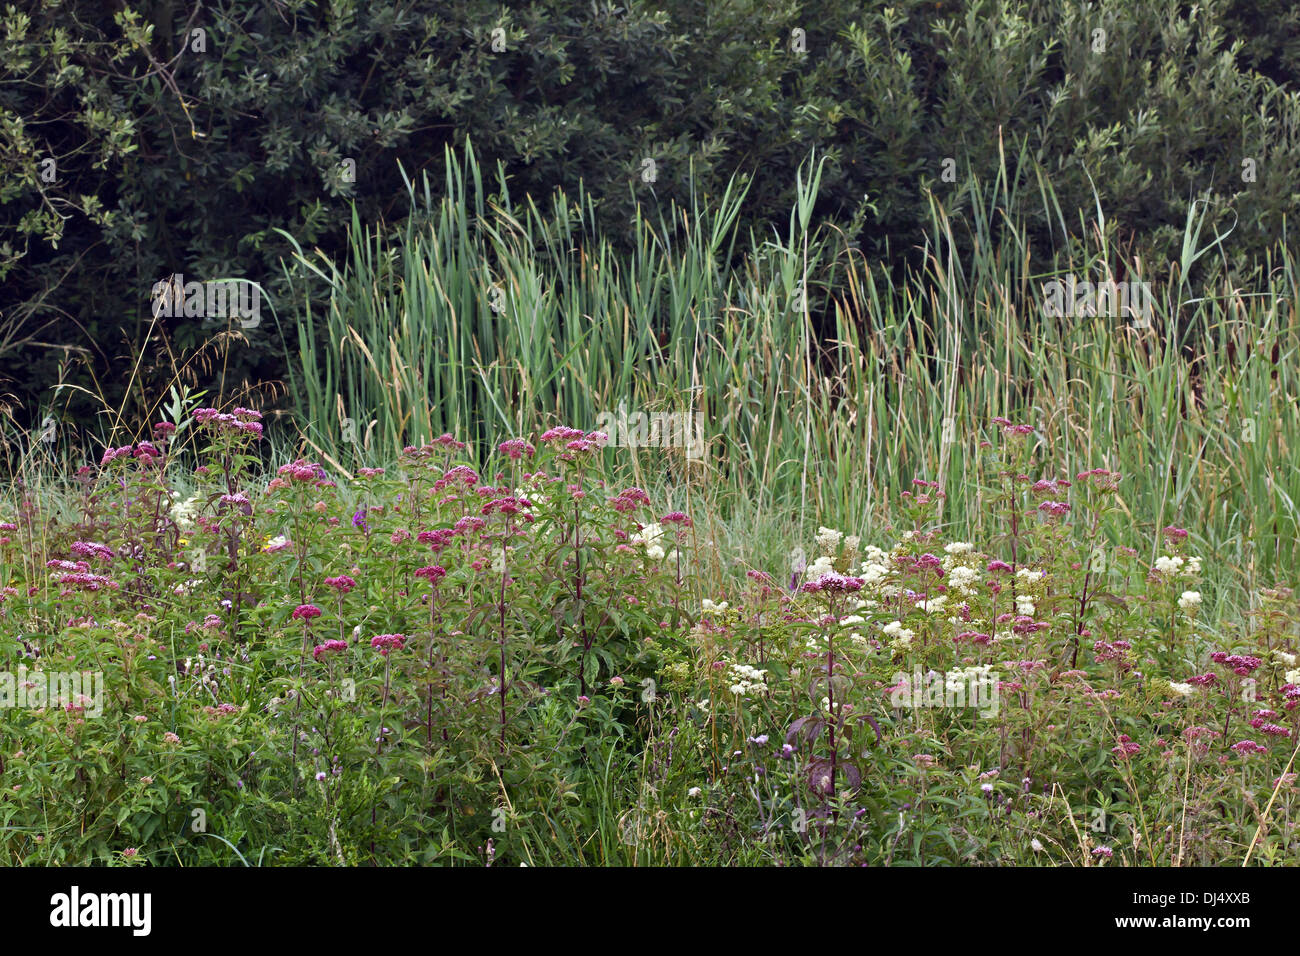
x=173, y=160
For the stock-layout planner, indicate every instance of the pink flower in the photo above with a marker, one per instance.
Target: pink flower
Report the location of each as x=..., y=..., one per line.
x=629, y=499
x=385, y=643
x=561, y=433
x=436, y=539
x=445, y=440
x=1126, y=747
x=516, y=448
x=305, y=612
x=343, y=584
x=329, y=647
x=833, y=582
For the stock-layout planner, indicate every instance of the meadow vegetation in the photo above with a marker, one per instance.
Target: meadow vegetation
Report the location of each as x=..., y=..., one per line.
x=948, y=580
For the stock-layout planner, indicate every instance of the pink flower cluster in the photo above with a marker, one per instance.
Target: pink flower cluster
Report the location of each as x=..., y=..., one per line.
x=146, y=453
x=386, y=643
x=628, y=500
x=243, y=420
x=329, y=647
x=1240, y=664
x=91, y=549
x=1125, y=748
x=833, y=582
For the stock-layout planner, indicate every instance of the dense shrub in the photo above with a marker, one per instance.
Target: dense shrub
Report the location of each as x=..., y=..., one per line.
x=178, y=155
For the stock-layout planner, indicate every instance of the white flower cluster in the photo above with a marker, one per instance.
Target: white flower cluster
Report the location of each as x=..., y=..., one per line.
x=1028, y=583
x=1190, y=600
x=1177, y=567
x=709, y=607
x=962, y=579
x=823, y=565
x=746, y=680
x=828, y=546
x=1293, y=677
x=964, y=677
x=900, y=638
x=183, y=512
x=1182, y=690
x=934, y=603
x=828, y=540
x=850, y=623
x=648, y=537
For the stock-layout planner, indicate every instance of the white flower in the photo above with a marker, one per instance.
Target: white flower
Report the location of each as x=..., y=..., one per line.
x=654, y=552
x=1036, y=845
x=959, y=547
x=708, y=607
x=828, y=540
x=900, y=636
x=183, y=512
x=746, y=679
x=1287, y=659
x=822, y=565
x=1190, y=600
x=1293, y=677
x=963, y=579
x=873, y=573
x=1182, y=690
x=934, y=604
x=694, y=792
x=1025, y=606
x=875, y=556
x=1193, y=568
x=1168, y=565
